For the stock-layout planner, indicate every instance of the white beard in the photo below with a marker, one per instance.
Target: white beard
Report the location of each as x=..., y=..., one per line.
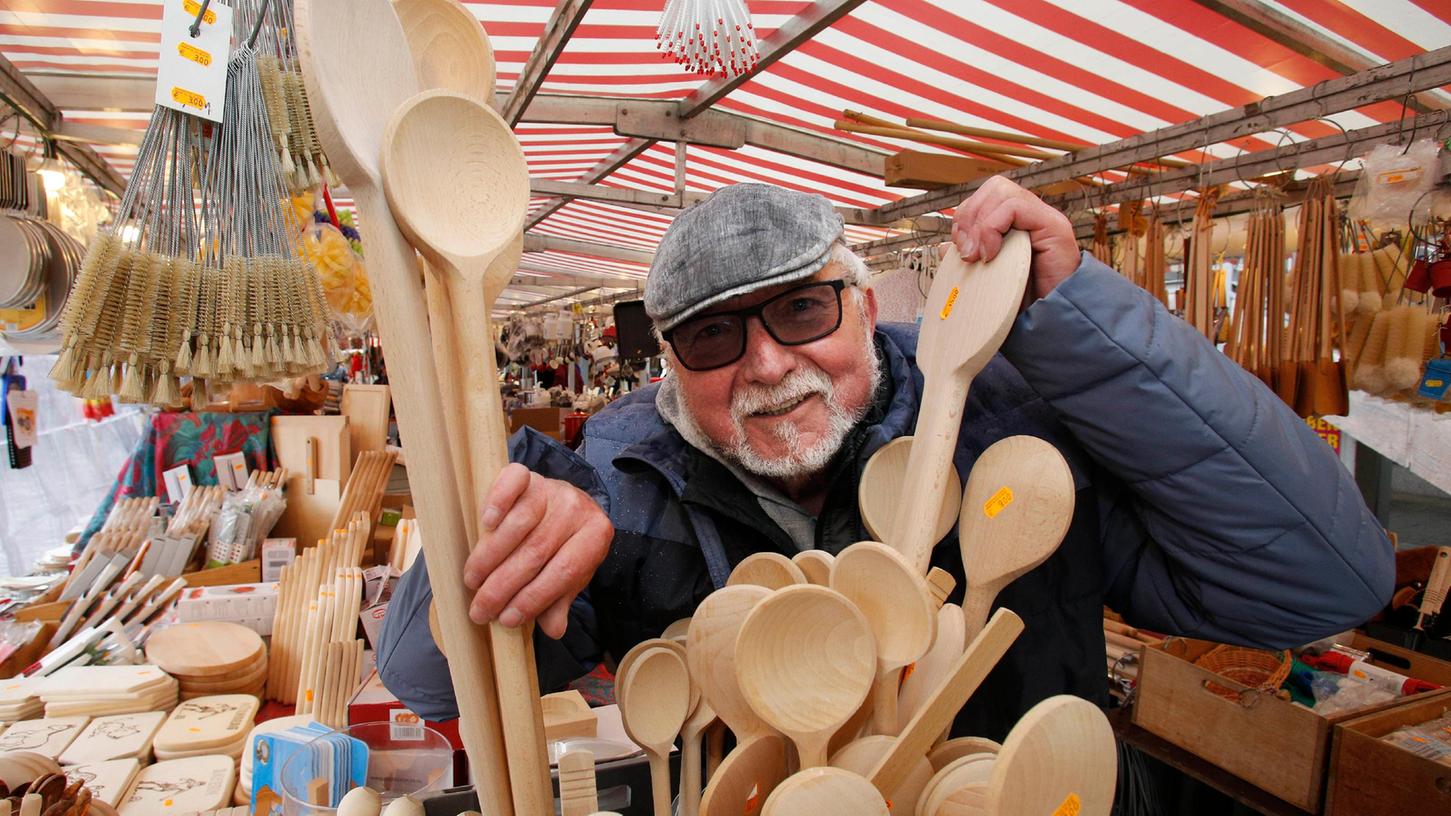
x=800, y=460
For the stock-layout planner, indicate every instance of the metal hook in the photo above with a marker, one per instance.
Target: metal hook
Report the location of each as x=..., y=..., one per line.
x=257, y=29
x=196, y=25
x=1349, y=146
x=13, y=139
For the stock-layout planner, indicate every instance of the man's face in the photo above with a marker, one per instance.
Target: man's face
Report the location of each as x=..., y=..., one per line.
x=782, y=411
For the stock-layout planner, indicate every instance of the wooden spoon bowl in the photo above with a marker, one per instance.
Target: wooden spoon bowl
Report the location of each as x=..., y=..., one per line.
x=825, y=790
x=710, y=652
x=805, y=660
x=1060, y=757
x=861, y=756
x=815, y=565
x=450, y=47
x=659, y=683
x=746, y=778
x=767, y=569
x=899, y=609
x=879, y=491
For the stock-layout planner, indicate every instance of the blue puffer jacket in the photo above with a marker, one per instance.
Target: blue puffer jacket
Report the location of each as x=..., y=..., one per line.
x=1205, y=507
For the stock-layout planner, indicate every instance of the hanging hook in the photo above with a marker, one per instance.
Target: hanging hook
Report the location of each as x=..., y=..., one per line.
x=196, y=25
x=257, y=29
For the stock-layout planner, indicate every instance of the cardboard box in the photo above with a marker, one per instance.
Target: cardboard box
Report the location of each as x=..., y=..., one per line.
x=549, y=421
x=1370, y=777
x=1271, y=743
x=251, y=605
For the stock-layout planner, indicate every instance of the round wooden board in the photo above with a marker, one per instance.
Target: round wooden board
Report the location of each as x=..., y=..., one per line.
x=244, y=678
x=205, y=648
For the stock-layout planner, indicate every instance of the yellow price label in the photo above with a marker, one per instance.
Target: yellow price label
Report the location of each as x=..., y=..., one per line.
x=951, y=300
x=194, y=54
x=1000, y=500
x=192, y=7
x=188, y=98
x=1435, y=383
x=1070, y=806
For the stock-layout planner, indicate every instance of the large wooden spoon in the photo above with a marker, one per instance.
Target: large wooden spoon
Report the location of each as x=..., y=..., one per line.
x=659, y=684
x=1059, y=758
x=815, y=565
x=825, y=790
x=878, y=492
x=450, y=48
x=768, y=569
x=351, y=117
x=806, y=659
x=1017, y=506
x=969, y=311
x=458, y=184
x=900, y=610
x=710, y=651
x=860, y=756
x=747, y=776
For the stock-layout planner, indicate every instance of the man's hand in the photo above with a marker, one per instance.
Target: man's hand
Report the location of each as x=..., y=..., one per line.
x=1000, y=205
x=542, y=540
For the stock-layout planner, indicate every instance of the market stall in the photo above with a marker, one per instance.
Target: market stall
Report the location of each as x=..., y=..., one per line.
x=347, y=258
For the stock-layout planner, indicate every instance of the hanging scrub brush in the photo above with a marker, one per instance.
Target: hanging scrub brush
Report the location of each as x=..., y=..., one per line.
x=711, y=37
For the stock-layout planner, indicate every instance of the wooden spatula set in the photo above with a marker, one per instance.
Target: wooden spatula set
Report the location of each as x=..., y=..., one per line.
x=429, y=156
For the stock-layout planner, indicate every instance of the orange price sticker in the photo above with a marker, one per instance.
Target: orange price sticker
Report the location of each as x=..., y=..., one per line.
x=1000, y=500
x=192, y=100
x=1070, y=806
x=951, y=300
x=192, y=7
x=191, y=52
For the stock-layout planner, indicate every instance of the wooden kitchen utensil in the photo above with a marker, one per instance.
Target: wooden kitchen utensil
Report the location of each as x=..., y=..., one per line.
x=120, y=736
x=969, y=311
x=972, y=771
x=1017, y=506
x=578, y=795
x=899, y=609
x=917, y=736
x=768, y=569
x=746, y=777
x=933, y=667
x=825, y=790
x=338, y=42
x=878, y=491
x=205, y=648
x=961, y=747
x=449, y=46
x=690, y=756
x=806, y=659
x=710, y=649
x=861, y=756
x=660, y=683
x=457, y=181
x=815, y=565
x=1061, y=755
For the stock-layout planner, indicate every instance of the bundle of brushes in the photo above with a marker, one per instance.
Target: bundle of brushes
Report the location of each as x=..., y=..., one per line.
x=1394, y=330
x=222, y=300
x=291, y=128
x=1257, y=325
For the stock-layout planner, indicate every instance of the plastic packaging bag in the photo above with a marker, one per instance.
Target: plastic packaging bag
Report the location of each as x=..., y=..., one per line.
x=246, y=517
x=1393, y=182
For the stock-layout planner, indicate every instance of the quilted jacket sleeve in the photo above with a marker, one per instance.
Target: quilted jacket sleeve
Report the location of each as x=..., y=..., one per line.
x=410, y=664
x=1223, y=516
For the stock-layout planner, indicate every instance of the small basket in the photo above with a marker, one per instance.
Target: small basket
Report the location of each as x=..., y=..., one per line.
x=1256, y=668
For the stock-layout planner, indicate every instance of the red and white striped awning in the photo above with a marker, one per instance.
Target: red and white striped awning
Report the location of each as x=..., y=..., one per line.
x=1091, y=71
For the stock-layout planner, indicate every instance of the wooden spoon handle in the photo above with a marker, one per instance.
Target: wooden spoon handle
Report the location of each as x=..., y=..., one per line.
x=402, y=315
x=446, y=359
x=884, y=702
x=967, y=674
x=933, y=442
x=660, y=783
x=690, y=743
x=977, y=602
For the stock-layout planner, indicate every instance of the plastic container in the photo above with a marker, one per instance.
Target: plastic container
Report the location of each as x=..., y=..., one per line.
x=403, y=760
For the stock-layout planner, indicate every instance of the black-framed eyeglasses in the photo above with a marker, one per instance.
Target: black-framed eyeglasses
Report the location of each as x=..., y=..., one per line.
x=793, y=318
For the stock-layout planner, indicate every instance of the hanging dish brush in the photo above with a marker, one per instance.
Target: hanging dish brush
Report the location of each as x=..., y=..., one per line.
x=293, y=133
x=711, y=37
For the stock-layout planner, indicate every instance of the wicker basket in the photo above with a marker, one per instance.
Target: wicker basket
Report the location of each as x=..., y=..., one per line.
x=1256, y=668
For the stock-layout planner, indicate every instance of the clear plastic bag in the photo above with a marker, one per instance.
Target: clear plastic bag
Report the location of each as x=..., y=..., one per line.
x=1394, y=181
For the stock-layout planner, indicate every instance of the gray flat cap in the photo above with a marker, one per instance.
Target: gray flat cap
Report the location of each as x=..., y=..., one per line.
x=741, y=238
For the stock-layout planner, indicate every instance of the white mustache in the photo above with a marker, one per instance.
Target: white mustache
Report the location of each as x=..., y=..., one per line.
x=797, y=385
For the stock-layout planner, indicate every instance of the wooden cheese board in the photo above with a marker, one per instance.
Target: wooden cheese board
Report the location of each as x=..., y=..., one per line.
x=205, y=649
x=107, y=781
x=120, y=736
x=181, y=786
x=218, y=722
x=48, y=737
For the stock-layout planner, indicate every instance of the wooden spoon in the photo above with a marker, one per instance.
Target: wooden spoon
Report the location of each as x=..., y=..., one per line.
x=878, y=492
x=660, y=684
x=351, y=117
x=959, y=748
x=861, y=756
x=747, y=776
x=1059, y=758
x=805, y=659
x=457, y=181
x=968, y=771
x=690, y=755
x=968, y=314
x=936, y=716
x=900, y=610
x=767, y=569
x=1018, y=505
x=450, y=48
x=710, y=652
x=825, y=790
x=815, y=565
x=932, y=668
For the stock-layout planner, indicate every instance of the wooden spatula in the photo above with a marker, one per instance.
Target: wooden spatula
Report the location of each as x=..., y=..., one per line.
x=339, y=42
x=1017, y=506
x=969, y=311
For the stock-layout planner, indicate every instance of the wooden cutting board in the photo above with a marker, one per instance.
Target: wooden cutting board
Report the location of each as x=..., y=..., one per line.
x=244, y=678
x=121, y=736
x=107, y=781
x=205, y=649
x=208, y=722
x=101, y=682
x=47, y=737
x=332, y=446
x=182, y=786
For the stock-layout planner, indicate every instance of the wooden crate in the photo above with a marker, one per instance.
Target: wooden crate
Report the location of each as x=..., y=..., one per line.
x=1369, y=777
x=1270, y=743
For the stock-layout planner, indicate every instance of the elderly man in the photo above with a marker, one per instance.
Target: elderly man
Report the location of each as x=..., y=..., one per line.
x=1205, y=507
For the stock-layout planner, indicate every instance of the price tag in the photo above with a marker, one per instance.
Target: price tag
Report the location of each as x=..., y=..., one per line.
x=404, y=725
x=192, y=71
x=23, y=406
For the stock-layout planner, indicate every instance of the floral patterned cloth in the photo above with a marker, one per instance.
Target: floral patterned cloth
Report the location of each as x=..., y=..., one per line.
x=186, y=439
